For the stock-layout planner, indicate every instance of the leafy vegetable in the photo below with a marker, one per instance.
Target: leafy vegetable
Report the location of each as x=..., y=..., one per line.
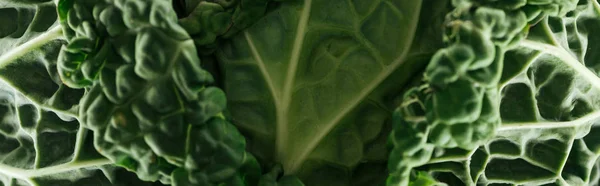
x=208, y=20
x=41, y=143
x=42, y=147
x=141, y=102
x=312, y=88
x=545, y=98
x=299, y=92
x=29, y=41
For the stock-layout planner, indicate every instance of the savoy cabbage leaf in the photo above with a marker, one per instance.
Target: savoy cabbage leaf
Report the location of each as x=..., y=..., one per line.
x=545, y=98
x=154, y=113
x=41, y=147
x=42, y=143
x=63, y=55
x=30, y=39
x=313, y=88
x=295, y=92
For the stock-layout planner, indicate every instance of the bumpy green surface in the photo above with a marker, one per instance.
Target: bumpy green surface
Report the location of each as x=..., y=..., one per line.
x=39, y=147
x=41, y=143
x=208, y=20
x=29, y=44
x=545, y=96
x=341, y=93
x=148, y=101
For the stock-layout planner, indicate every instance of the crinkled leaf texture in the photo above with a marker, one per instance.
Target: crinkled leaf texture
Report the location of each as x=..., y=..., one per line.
x=311, y=85
x=30, y=39
x=549, y=110
x=148, y=100
x=41, y=142
x=39, y=147
x=206, y=21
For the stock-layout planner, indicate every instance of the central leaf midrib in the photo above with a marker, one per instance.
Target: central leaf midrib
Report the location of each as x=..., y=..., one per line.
x=566, y=58
x=286, y=96
x=25, y=174
x=587, y=119
x=579, y=68
x=292, y=163
x=37, y=42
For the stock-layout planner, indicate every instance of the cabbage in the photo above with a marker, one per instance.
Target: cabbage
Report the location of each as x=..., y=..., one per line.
x=299, y=92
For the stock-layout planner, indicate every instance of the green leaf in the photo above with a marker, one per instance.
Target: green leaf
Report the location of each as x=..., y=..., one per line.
x=42, y=143
x=30, y=39
x=148, y=100
x=548, y=107
x=41, y=147
x=313, y=83
x=208, y=22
